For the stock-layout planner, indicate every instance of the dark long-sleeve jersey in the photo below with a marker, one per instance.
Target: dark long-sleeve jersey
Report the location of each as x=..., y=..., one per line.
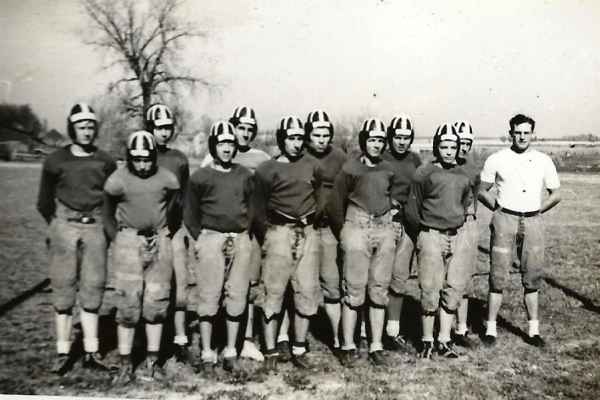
x=141, y=203
x=438, y=197
x=404, y=172
x=330, y=164
x=218, y=200
x=77, y=182
x=176, y=162
x=368, y=188
x=471, y=169
x=288, y=189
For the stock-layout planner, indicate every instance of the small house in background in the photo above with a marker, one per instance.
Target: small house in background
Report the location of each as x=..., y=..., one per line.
x=17, y=145
x=54, y=138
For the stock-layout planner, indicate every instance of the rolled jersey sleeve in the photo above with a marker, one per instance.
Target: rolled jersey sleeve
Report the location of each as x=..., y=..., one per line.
x=551, y=180
x=488, y=173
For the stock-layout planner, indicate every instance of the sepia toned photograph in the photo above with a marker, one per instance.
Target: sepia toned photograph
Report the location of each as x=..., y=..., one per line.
x=250, y=199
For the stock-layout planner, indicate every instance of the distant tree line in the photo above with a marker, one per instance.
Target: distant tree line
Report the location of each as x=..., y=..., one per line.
x=589, y=137
x=22, y=119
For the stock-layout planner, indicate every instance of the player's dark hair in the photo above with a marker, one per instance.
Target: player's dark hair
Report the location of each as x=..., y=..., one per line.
x=521, y=119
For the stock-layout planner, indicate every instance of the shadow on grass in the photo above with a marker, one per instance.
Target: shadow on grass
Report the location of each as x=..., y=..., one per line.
x=9, y=305
x=588, y=304
x=478, y=314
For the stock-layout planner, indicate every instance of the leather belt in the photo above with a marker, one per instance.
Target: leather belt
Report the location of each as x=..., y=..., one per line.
x=84, y=219
x=525, y=214
x=449, y=232
x=148, y=232
x=276, y=218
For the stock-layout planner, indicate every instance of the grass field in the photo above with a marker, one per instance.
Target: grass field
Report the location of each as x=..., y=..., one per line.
x=570, y=313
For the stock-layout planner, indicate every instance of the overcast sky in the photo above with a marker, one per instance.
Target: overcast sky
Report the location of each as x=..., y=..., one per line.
x=436, y=61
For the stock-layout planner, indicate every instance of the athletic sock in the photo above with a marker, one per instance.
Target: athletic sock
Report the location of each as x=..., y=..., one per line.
x=375, y=346
x=491, y=328
x=180, y=340
x=283, y=337
x=63, y=347
x=461, y=328
x=392, y=328
x=534, y=327
x=298, y=350
x=90, y=345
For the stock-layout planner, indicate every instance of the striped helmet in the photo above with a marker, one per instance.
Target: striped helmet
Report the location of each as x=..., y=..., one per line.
x=245, y=115
x=288, y=126
x=221, y=131
x=141, y=144
x=400, y=125
x=318, y=119
x=160, y=116
x=371, y=128
x=445, y=132
x=80, y=112
x=464, y=130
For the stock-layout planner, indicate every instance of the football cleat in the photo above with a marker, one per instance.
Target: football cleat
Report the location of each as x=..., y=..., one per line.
x=537, y=341
x=447, y=350
x=426, y=350
x=377, y=358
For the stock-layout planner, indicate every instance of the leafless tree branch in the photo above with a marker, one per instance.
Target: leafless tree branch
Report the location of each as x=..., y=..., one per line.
x=144, y=38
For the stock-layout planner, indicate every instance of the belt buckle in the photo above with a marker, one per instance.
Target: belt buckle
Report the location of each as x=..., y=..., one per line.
x=86, y=220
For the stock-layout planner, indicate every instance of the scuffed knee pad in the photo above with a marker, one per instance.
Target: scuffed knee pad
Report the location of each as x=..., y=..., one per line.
x=450, y=301
x=430, y=301
x=235, y=305
x=128, y=316
x=253, y=292
x=307, y=302
x=378, y=296
x=129, y=307
x=156, y=303
x=354, y=296
x=91, y=297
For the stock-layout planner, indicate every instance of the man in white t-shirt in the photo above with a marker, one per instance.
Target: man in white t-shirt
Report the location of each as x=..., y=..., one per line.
x=520, y=174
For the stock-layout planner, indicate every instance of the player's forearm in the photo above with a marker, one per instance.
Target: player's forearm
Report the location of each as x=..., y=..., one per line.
x=45, y=204
x=552, y=200
x=108, y=216
x=487, y=199
x=174, y=211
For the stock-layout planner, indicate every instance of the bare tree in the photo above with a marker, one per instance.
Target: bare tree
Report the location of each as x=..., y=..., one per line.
x=145, y=39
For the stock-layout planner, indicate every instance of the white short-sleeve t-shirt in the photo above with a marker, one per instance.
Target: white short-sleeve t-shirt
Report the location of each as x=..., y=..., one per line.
x=520, y=178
